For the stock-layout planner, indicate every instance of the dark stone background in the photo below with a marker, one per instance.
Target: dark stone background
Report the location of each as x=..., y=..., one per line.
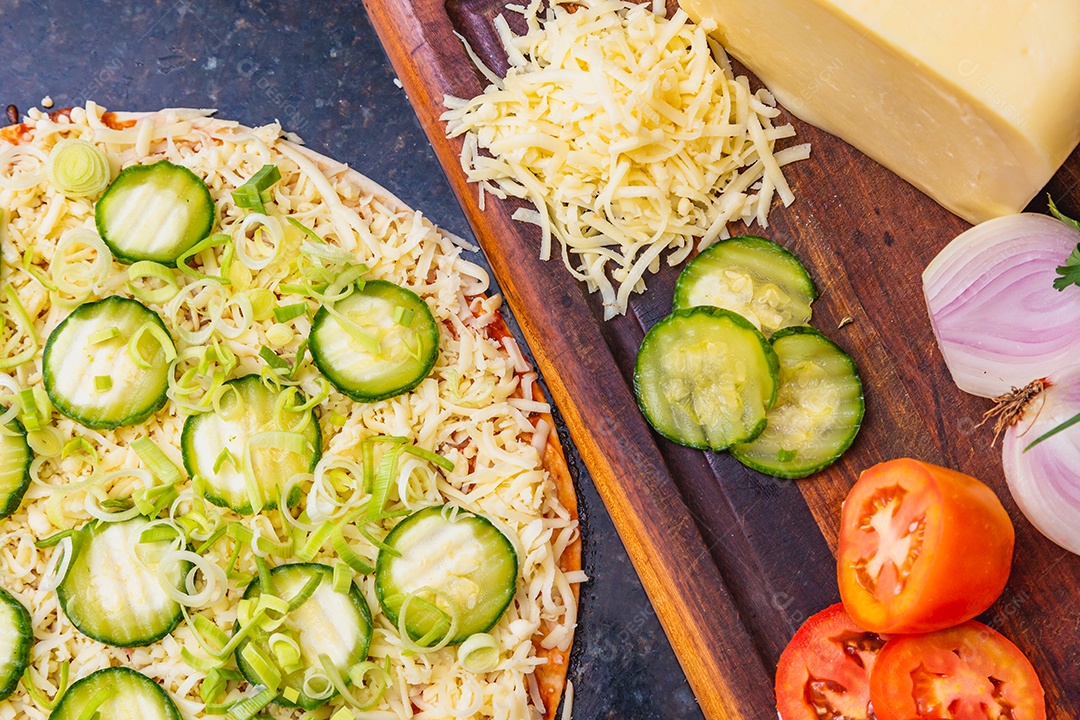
x=318, y=68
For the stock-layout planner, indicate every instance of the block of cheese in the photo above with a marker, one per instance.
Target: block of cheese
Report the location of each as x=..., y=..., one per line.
x=975, y=102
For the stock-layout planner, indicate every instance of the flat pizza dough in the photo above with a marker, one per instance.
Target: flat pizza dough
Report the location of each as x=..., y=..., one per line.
x=481, y=407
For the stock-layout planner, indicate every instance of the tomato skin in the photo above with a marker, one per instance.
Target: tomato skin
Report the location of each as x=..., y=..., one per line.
x=829, y=649
x=948, y=674
x=958, y=560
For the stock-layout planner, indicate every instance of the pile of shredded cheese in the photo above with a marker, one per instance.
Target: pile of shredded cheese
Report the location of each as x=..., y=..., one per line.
x=475, y=408
x=630, y=135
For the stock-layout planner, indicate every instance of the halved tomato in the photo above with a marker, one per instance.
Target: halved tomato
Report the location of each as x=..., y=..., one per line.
x=969, y=672
x=824, y=672
x=922, y=548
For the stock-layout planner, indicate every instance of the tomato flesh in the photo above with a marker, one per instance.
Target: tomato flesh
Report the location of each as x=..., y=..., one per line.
x=898, y=529
x=824, y=673
x=969, y=672
x=922, y=548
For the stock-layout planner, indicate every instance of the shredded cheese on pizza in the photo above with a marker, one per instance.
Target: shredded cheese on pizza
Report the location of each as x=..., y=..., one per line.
x=476, y=408
x=629, y=134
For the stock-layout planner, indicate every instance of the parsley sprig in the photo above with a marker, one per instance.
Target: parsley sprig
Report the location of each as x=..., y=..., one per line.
x=1069, y=273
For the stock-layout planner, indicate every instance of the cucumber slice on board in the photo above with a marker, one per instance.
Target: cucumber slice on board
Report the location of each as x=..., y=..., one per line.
x=111, y=595
x=94, y=342
x=751, y=276
x=461, y=559
x=154, y=212
x=335, y=624
x=15, y=459
x=248, y=412
x=818, y=411
x=116, y=693
x=16, y=637
x=395, y=319
x=705, y=378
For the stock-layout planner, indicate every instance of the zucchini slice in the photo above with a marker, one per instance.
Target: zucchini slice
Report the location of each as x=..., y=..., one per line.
x=705, y=378
x=16, y=637
x=112, y=593
x=751, y=276
x=818, y=410
x=454, y=564
x=378, y=342
x=116, y=693
x=15, y=459
x=331, y=623
x=217, y=446
x=120, y=341
x=154, y=212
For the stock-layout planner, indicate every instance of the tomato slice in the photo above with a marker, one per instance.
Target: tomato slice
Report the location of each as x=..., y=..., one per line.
x=969, y=672
x=824, y=672
x=922, y=548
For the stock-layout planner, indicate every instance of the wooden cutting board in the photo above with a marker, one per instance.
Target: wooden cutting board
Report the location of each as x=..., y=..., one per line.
x=734, y=561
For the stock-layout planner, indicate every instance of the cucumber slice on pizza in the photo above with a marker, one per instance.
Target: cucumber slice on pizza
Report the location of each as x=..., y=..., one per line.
x=154, y=212
x=378, y=342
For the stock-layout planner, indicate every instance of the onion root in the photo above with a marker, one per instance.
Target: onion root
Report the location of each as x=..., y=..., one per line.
x=1009, y=408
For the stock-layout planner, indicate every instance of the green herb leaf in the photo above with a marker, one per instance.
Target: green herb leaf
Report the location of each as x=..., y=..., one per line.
x=1069, y=273
x=1051, y=433
x=1063, y=218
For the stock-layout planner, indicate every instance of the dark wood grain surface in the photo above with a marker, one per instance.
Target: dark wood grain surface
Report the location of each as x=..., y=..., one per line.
x=732, y=560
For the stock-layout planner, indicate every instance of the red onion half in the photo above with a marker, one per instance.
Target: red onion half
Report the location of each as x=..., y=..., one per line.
x=998, y=319
x=1045, y=480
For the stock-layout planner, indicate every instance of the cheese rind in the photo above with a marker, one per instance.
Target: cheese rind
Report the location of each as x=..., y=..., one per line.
x=976, y=103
